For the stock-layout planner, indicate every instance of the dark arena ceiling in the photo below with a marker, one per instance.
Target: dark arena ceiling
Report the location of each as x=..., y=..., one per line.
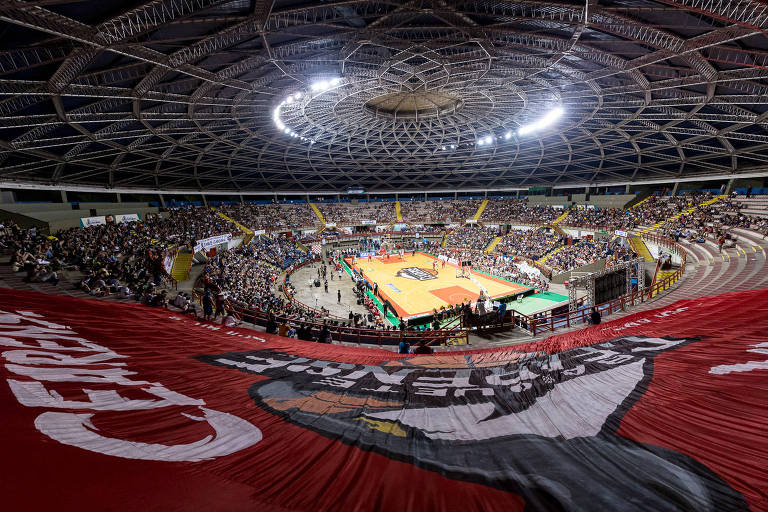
x=385, y=95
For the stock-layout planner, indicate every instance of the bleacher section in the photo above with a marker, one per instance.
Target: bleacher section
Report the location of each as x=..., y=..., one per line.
x=318, y=213
x=63, y=215
x=480, y=209
x=684, y=212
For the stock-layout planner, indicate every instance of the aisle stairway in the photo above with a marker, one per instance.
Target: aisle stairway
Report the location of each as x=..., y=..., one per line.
x=661, y=275
x=493, y=244
x=560, y=219
x=318, y=213
x=641, y=202
x=398, y=213
x=244, y=229
x=638, y=245
x=445, y=239
x=544, y=259
x=684, y=212
x=181, y=266
x=480, y=209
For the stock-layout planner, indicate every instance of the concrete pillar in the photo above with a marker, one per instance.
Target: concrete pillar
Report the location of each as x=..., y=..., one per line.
x=117, y=196
x=626, y=189
x=162, y=200
x=455, y=195
x=674, y=189
x=64, y=196
x=241, y=199
x=205, y=201
x=729, y=187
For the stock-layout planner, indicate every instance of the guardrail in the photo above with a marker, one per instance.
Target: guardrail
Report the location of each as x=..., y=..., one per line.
x=343, y=333
x=360, y=335
x=552, y=322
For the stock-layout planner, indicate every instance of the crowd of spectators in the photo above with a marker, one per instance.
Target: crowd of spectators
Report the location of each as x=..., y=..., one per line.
x=275, y=216
x=518, y=210
x=121, y=259
x=353, y=214
x=471, y=236
x=448, y=210
x=531, y=243
x=587, y=251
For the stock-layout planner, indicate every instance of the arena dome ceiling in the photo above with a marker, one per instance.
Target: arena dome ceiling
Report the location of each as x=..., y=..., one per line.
x=385, y=95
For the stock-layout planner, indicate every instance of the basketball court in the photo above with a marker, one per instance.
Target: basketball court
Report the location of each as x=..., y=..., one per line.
x=412, y=287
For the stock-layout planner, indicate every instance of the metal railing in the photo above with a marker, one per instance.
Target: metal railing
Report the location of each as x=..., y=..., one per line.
x=551, y=322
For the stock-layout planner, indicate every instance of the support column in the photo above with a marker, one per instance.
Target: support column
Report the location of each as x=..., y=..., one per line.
x=729, y=187
x=674, y=189
x=205, y=201
x=162, y=200
x=117, y=195
x=241, y=199
x=64, y=196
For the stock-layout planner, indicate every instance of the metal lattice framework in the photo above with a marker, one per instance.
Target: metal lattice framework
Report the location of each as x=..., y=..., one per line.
x=179, y=94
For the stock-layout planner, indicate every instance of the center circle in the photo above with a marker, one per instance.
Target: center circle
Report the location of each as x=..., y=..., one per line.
x=418, y=104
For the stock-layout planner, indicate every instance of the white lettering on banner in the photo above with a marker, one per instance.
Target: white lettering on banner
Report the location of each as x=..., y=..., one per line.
x=622, y=233
x=369, y=222
x=330, y=224
x=724, y=369
x=128, y=217
x=259, y=232
x=471, y=221
x=232, y=435
x=31, y=337
x=92, y=221
x=207, y=243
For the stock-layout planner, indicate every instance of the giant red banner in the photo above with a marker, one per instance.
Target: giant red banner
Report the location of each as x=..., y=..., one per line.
x=117, y=407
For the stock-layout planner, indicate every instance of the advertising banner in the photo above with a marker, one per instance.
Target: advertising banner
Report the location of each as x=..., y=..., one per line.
x=92, y=221
x=127, y=217
x=207, y=243
x=369, y=222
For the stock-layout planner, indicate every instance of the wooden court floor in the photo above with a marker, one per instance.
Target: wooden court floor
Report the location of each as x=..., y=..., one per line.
x=412, y=288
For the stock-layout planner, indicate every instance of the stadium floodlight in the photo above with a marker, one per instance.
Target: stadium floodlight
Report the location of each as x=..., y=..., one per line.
x=287, y=130
x=453, y=146
x=297, y=95
x=488, y=139
x=289, y=100
x=508, y=135
x=480, y=142
x=550, y=118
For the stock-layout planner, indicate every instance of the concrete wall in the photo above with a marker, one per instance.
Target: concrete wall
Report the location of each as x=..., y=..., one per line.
x=58, y=216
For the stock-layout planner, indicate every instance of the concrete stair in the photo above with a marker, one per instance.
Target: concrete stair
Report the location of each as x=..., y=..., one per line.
x=493, y=244
x=318, y=213
x=398, y=213
x=480, y=209
x=560, y=219
x=638, y=245
x=544, y=259
x=685, y=212
x=247, y=231
x=181, y=266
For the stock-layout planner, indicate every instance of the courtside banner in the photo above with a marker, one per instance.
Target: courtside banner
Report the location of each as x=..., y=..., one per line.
x=109, y=406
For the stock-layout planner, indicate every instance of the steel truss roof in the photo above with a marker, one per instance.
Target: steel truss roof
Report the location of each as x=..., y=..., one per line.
x=176, y=94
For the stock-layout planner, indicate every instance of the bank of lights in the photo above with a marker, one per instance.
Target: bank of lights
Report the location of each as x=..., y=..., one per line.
x=487, y=140
x=317, y=88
